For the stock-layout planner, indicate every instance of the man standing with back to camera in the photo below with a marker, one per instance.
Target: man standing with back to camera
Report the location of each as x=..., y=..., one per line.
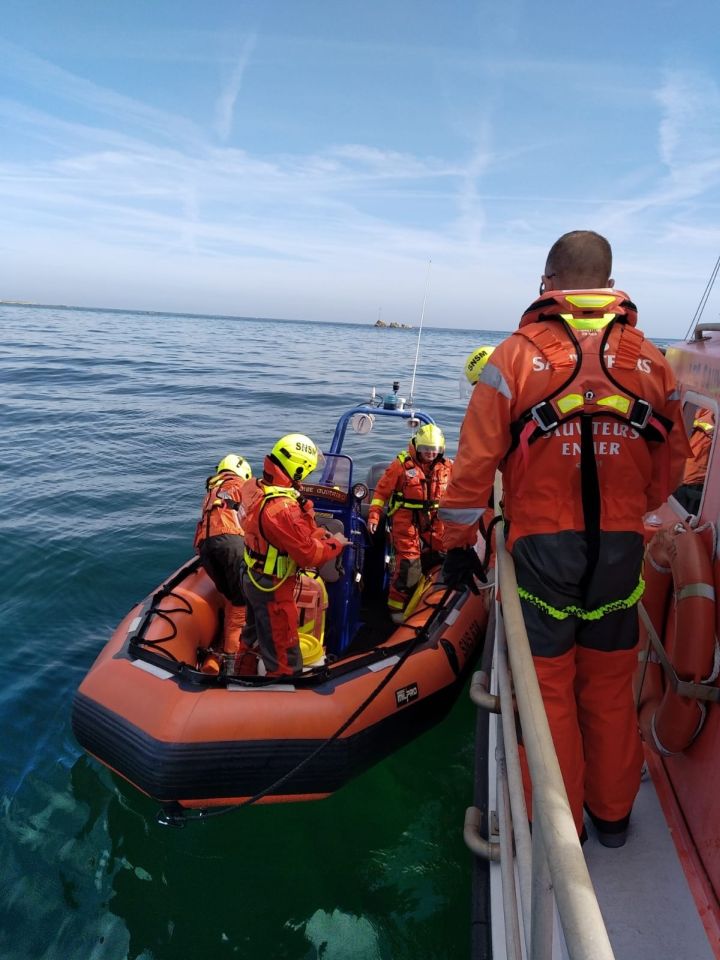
x=582, y=415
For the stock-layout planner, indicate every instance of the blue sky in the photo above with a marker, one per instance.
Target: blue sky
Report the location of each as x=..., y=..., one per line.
x=306, y=158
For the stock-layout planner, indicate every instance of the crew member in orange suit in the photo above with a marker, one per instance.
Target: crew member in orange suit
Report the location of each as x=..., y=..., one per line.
x=582, y=415
x=281, y=537
x=219, y=541
x=690, y=491
x=411, y=488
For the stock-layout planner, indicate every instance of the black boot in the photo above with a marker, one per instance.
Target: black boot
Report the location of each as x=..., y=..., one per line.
x=610, y=833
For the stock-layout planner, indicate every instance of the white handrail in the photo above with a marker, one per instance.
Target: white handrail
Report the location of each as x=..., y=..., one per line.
x=520, y=827
x=582, y=923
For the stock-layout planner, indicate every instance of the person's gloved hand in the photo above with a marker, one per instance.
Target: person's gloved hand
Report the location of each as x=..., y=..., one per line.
x=373, y=521
x=462, y=565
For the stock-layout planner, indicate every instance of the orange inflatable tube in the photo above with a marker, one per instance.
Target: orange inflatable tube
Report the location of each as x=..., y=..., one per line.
x=148, y=713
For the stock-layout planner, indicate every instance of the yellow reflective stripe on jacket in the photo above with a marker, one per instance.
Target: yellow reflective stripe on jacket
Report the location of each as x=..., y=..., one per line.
x=703, y=425
x=275, y=563
x=577, y=323
x=413, y=504
x=377, y=502
x=591, y=301
x=572, y=611
x=574, y=400
x=273, y=491
x=569, y=402
x=618, y=402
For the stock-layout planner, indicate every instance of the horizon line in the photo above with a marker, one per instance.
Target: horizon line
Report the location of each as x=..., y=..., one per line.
x=230, y=316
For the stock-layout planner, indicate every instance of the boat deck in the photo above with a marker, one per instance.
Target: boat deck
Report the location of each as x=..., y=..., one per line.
x=642, y=890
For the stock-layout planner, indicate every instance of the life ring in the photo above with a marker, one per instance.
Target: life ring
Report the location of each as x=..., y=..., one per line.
x=648, y=683
x=669, y=723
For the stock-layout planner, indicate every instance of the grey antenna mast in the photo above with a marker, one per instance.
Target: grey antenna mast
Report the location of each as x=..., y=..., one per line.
x=417, y=348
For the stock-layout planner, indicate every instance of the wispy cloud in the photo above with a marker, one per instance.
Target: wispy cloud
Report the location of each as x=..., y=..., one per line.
x=147, y=193
x=63, y=85
x=689, y=134
x=225, y=106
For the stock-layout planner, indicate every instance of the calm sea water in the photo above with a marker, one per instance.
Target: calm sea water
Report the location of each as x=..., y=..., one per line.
x=110, y=424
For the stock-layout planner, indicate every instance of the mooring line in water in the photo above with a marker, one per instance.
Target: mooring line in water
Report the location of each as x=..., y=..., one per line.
x=175, y=815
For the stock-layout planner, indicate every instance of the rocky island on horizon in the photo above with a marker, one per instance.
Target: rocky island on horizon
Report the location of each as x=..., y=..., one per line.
x=393, y=325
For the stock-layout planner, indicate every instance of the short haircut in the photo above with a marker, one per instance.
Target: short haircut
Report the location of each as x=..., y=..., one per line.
x=581, y=258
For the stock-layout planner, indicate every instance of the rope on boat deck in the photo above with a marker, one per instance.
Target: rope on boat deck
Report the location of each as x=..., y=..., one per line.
x=174, y=815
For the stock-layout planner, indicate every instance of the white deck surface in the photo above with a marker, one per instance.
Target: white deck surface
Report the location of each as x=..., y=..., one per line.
x=642, y=891
x=641, y=888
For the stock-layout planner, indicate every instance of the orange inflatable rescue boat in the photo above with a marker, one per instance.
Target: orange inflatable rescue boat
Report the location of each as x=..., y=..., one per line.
x=193, y=740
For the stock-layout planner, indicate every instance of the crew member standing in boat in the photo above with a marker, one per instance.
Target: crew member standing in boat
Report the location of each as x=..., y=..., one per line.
x=690, y=491
x=281, y=537
x=474, y=366
x=219, y=541
x=411, y=488
x=581, y=413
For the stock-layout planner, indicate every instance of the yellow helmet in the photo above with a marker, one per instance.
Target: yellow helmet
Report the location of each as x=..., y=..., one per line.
x=429, y=438
x=475, y=363
x=235, y=464
x=297, y=455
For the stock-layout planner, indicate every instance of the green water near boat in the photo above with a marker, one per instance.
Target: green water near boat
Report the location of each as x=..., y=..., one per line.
x=111, y=422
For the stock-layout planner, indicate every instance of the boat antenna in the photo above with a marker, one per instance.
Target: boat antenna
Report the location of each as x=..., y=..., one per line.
x=703, y=299
x=417, y=348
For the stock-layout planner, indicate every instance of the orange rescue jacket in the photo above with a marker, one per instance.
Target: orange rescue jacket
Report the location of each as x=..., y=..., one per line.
x=409, y=486
x=219, y=512
x=701, y=439
x=280, y=522
x=576, y=375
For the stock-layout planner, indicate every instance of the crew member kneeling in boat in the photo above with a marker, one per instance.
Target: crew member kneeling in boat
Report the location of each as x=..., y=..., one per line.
x=690, y=491
x=281, y=537
x=219, y=541
x=411, y=488
x=582, y=415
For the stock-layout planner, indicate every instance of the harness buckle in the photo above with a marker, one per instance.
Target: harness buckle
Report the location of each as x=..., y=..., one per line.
x=544, y=416
x=640, y=414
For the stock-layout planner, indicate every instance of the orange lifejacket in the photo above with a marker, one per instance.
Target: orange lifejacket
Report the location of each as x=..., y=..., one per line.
x=591, y=390
x=543, y=493
x=700, y=443
x=260, y=554
x=281, y=533
x=219, y=511
x=418, y=490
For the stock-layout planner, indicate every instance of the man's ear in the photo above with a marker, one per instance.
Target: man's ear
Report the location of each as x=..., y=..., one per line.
x=611, y=282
